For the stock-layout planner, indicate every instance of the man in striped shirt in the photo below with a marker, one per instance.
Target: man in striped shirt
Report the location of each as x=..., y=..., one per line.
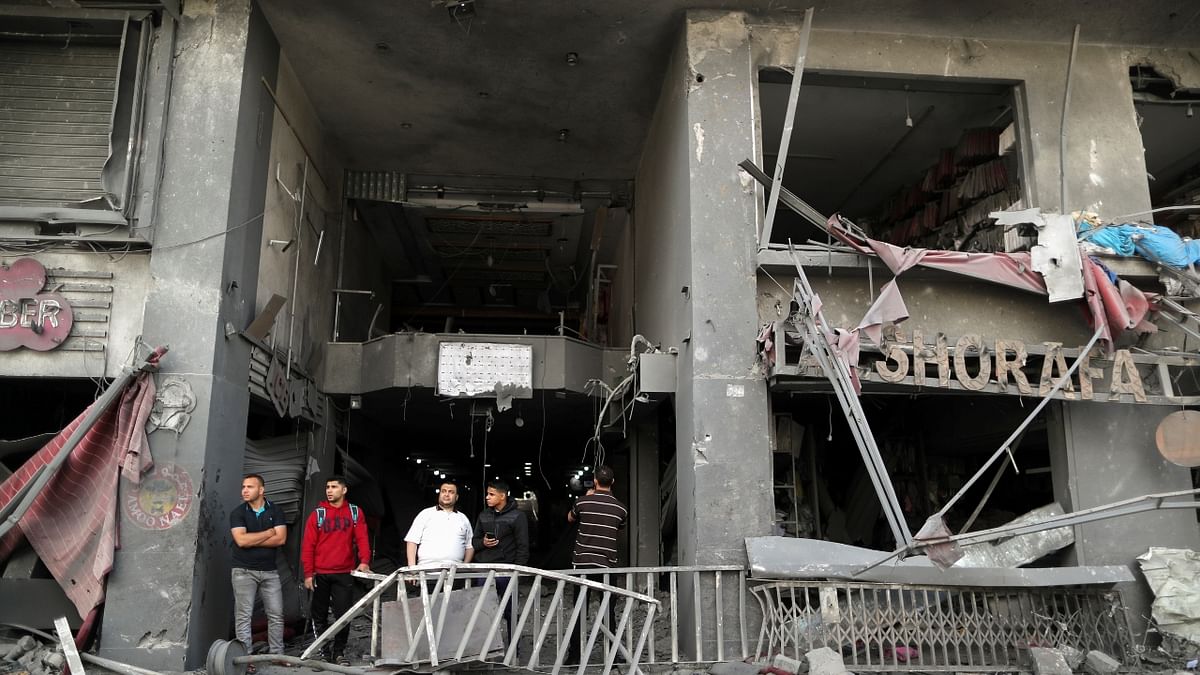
x=600, y=517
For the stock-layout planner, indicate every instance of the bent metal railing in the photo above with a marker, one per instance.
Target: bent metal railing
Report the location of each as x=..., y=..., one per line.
x=700, y=614
x=905, y=627
x=429, y=627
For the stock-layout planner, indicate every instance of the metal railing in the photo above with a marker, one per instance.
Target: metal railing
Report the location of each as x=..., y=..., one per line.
x=700, y=614
x=900, y=627
x=423, y=629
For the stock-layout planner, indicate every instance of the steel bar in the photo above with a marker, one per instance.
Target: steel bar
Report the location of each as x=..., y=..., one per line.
x=1062, y=131
x=674, y=617
x=697, y=613
x=720, y=618
x=991, y=487
x=585, y=654
x=741, y=613
x=789, y=122
x=311, y=664
x=551, y=610
x=483, y=594
x=67, y=641
x=491, y=634
x=809, y=322
x=611, y=654
x=533, y=599
x=650, y=592
x=564, y=646
x=647, y=629
x=1004, y=447
x=789, y=199
x=350, y=614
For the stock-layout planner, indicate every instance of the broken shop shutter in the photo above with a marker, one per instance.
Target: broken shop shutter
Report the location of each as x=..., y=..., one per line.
x=56, y=107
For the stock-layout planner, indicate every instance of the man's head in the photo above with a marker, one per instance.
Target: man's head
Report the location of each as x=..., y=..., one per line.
x=604, y=477
x=447, y=496
x=253, y=487
x=497, y=494
x=335, y=490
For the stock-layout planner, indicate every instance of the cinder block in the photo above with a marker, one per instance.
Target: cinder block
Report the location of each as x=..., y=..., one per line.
x=734, y=668
x=1099, y=663
x=1048, y=661
x=787, y=664
x=825, y=661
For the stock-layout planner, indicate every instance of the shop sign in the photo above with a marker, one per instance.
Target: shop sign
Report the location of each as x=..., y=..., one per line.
x=161, y=500
x=29, y=317
x=998, y=366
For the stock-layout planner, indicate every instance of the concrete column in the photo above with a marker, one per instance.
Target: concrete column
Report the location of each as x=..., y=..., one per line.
x=169, y=595
x=723, y=448
x=1105, y=452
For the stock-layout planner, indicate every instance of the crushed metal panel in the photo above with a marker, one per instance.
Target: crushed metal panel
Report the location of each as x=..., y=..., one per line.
x=485, y=369
x=1056, y=255
x=792, y=558
x=656, y=373
x=1022, y=549
x=1171, y=574
x=396, y=642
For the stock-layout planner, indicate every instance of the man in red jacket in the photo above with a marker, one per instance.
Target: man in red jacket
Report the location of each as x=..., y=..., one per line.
x=334, y=545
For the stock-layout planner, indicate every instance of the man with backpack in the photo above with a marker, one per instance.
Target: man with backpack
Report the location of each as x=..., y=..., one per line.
x=335, y=544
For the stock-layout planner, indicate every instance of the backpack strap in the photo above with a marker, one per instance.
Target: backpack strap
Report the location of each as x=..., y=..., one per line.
x=354, y=514
x=320, y=517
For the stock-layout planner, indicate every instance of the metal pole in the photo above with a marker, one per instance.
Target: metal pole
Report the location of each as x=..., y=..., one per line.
x=296, y=272
x=788, y=122
x=1062, y=134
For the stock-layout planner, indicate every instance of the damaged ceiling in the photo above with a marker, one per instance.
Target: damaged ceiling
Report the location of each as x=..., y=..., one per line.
x=403, y=85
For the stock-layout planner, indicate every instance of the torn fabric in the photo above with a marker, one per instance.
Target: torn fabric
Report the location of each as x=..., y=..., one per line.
x=889, y=307
x=72, y=522
x=1173, y=575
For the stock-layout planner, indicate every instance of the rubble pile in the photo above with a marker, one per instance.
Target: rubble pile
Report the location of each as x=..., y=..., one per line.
x=28, y=656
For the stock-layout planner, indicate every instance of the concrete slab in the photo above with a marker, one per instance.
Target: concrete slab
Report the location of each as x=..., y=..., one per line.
x=791, y=558
x=734, y=668
x=825, y=661
x=788, y=664
x=1099, y=663
x=1048, y=662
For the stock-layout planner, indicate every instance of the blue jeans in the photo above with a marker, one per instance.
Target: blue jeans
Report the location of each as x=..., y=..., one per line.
x=246, y=584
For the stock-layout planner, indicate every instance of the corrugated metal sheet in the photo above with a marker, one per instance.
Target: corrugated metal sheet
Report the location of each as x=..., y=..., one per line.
x=56, y=105
x=379, y=186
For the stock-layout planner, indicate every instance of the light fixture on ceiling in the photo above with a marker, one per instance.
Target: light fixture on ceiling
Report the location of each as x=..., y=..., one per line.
x=460, y=9
x=572, y=58
x=283, y=244
x=563, y=134
x=406, y=125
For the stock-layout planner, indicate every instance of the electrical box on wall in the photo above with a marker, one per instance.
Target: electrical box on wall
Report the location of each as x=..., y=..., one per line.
x=656, y=373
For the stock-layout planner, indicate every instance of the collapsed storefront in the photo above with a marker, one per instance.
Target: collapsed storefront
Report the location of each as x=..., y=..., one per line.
x=316, y=270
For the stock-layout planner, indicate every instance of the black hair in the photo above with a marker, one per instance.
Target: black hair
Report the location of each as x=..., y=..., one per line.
x=499, y=486
x=339, y=478
x=604, y=476
x=257, y=477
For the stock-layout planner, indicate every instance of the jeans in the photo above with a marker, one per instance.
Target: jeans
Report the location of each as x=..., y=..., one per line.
x=336, y=590
x=246, y=584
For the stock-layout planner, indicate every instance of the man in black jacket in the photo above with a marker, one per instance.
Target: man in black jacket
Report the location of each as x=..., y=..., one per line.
x=502, y=536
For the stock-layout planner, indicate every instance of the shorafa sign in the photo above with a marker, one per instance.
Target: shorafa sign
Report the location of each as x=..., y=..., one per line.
x=1000, y=364
x=29, y=317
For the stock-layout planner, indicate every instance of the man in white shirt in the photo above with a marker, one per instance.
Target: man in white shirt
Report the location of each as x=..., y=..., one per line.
x=440, y=533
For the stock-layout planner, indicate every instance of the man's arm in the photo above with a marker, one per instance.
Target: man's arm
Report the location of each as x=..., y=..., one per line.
x=477, y=537
x=308, y=549
x=411, y=550
x=521, y=531
x=470, y=536
x=468, y=555
x=278, y=537
x=245, y=539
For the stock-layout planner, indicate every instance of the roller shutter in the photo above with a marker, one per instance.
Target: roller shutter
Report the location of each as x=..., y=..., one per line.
x=56, y=108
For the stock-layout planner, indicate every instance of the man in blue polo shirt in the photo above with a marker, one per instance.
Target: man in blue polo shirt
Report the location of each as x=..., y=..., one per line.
x=258, y=528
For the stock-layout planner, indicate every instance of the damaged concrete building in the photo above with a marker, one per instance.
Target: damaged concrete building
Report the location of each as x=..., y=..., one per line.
x=468, y=239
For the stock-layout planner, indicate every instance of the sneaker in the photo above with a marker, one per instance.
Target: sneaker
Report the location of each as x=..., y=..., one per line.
x=341, y=660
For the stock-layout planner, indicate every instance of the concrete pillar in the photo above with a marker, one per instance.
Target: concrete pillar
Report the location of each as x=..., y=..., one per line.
x=723, y=447
x=169, y=595
x=1105, y=452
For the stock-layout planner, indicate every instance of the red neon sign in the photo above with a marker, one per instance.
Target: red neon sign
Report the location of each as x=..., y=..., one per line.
x=28, y=317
